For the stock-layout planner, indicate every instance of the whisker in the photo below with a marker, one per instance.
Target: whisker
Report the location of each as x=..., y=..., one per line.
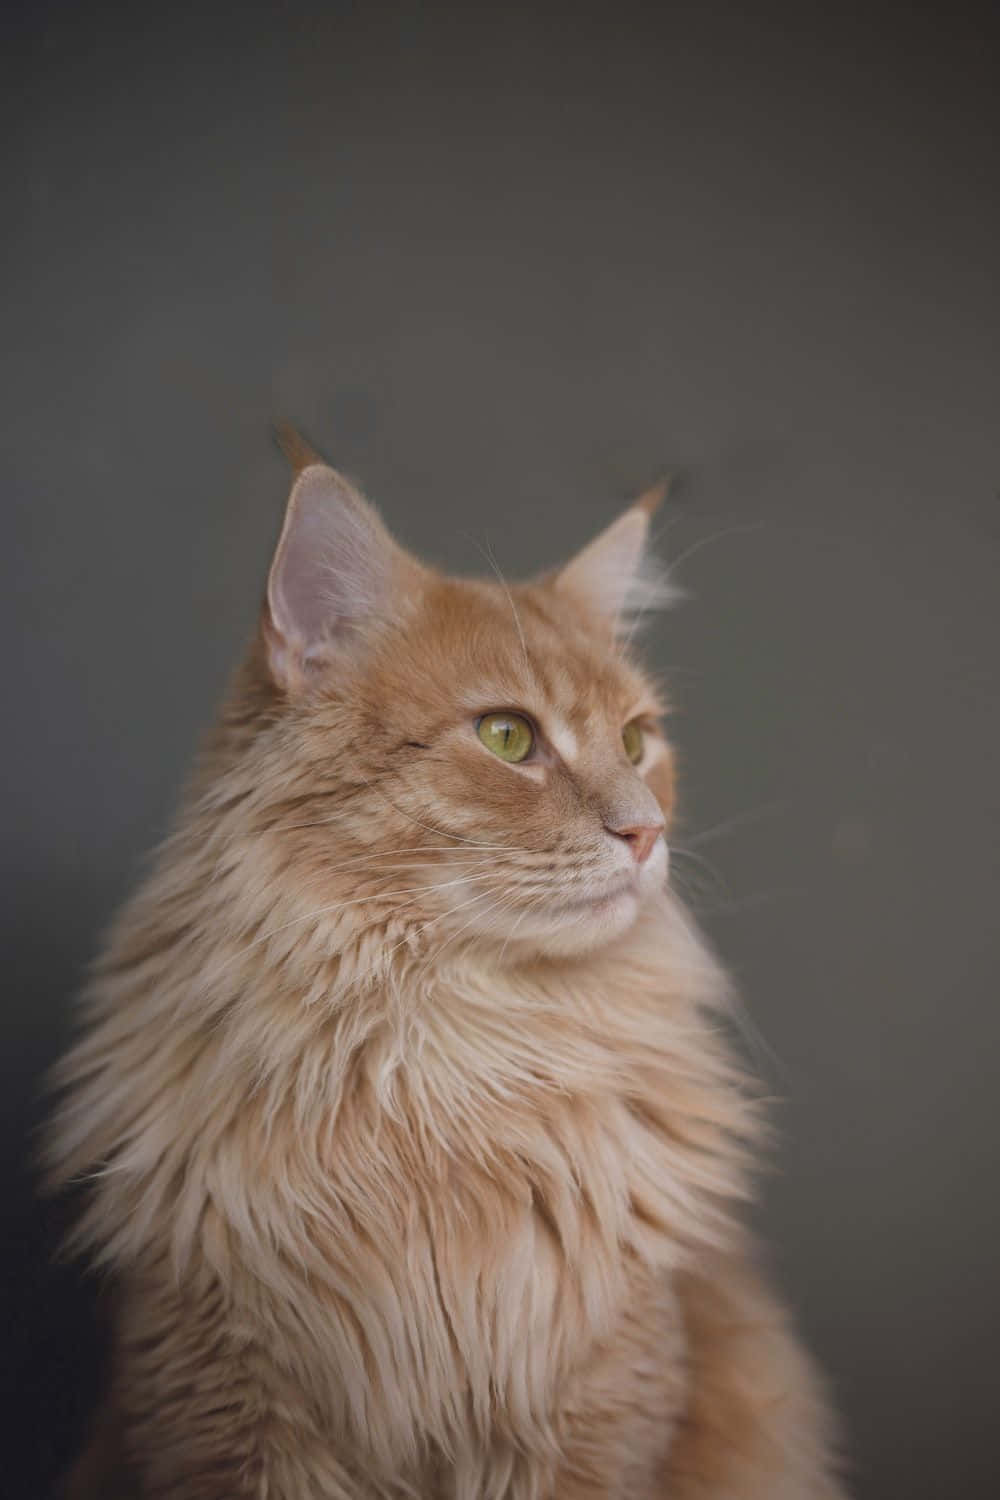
x=756, y=1043
x=577, y=920
x=697, y=894
x=341, y=906
x=696, y=859
x=336, y=817
x=487, y=552
x=530, y=907
x=675, y=563
x=506, y=898
x=716, y=536
x=442, y=832
x=751, y=815
x=374, y=969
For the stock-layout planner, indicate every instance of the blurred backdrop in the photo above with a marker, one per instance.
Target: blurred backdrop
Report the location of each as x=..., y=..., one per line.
x=504, y=264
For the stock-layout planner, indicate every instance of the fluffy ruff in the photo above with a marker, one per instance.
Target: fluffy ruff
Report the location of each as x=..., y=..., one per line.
x=463, y=1233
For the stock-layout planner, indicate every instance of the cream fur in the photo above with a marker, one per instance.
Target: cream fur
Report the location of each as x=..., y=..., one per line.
x=411, y=1183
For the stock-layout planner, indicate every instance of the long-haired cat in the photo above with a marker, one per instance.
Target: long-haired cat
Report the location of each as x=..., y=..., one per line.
x=412, y=1146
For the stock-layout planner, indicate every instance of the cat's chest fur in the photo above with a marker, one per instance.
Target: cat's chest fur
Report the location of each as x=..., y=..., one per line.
x=426, y=1205
x=466, y=1209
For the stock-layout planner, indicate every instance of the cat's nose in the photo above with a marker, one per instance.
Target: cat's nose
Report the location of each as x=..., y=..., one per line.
x=640, y=838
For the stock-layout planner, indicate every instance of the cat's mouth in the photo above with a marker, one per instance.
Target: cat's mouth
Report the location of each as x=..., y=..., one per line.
x=569, y=915
x=601, y=900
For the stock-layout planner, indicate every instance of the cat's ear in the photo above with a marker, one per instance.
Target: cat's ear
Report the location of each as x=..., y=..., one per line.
x=613, y=576
x=335, y=571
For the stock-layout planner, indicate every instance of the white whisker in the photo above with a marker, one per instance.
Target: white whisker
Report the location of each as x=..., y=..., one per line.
x=341, y=906
x=719, y=830
x=513, y=930
x=442, y=832
x=410, y=936
x=487, y=552
x=505, y=898
x=716, y=536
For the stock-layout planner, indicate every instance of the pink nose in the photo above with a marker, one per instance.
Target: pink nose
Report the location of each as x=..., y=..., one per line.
x=640, y=839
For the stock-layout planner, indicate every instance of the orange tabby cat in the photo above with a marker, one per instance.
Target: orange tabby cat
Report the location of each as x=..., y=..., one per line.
x=413, y=1147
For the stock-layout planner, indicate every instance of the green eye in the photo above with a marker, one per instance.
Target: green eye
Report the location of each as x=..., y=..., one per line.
x=632, y=739
x=507, y=735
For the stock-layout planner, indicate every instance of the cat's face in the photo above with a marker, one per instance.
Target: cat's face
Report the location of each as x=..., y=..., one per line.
x=485, y=757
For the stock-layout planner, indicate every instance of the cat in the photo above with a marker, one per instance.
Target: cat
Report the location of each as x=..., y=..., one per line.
x=413, y=1150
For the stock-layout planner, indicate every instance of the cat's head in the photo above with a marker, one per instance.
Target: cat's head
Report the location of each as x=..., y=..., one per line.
x=472, y=760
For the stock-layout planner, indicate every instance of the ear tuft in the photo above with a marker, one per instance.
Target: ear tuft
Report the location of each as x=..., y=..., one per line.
x=332, y=574
x=299, y=453
x=613, y=576
x=652, y=498
x=651, y=589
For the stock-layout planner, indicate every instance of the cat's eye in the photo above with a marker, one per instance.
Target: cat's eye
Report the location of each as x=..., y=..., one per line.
x=633, y=740
x=508, y=735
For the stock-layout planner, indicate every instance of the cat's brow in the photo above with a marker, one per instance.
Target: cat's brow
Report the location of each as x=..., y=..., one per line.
x=564, y=739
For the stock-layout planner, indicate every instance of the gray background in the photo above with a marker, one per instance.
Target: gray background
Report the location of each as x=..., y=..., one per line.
x=504, y=264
